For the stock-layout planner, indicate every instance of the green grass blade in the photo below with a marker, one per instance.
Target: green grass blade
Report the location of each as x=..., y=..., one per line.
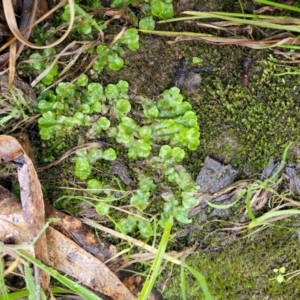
x=30, y=284
x=2, y=281
x=267, y=217
x=183, y=283
x=43, y=295
x=242, y=7
x=208, y=15
x=79, y=290
x=279, y=5
x=17, y=295
x=25, y=293
x=256, y=23
x=281, y=166
x=264, y=185
x=88, y=17
x=201, y=280
x=258, y=18
x=215, y=14
x=154, y=271
x=248, y=204
x=287, y=73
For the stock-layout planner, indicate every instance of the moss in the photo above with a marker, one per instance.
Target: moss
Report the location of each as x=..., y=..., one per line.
x=248, y=125
x=243, y=269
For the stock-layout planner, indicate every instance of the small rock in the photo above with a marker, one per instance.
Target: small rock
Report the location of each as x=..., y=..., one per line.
x=270, y=169
x=215, y=176
x=293, y=175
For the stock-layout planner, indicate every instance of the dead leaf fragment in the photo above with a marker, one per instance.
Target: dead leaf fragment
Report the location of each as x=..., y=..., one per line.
x=68, y=257
x=12, y=222
x=64, y=254
x=9, y=149
x=31, y=198
x=79, y=232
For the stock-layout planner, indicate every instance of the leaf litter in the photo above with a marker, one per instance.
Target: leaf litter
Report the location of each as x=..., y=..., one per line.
x=67, y=245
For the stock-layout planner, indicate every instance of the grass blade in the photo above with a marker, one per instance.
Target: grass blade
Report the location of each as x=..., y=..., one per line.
x=25, y=293
x=273, y=216
x=183, y=283
x=77, y=288
x=279, y=5
x=257, y=22
x=282, y=164
x=30, y=284
x=149, y=283
x=2, y=281
x=226, y=206
x=201, y=280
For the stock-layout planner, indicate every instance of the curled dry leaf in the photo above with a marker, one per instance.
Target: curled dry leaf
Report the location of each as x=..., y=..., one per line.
x=31, y=198
x=12, y=64
x=83, y=236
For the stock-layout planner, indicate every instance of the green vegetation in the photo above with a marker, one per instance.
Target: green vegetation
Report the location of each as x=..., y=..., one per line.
x=13, y=108
x=252, y=123
x=47, y=62
x=242, y=269
x=162, y=9
x=280, y=272
x=157, y=136
x=237, y=265
x=31, y=286
x=154, y=271
x=107, y=111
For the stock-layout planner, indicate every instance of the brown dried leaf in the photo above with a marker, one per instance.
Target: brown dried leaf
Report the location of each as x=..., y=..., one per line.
x=31, y=198
x=15, y=231
x=64, y=254
x=68, y=257
x=12, y=222
x=74, y=229
x=9, y=149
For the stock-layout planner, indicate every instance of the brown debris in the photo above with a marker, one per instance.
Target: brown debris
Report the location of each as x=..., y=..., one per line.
x=68, y=245
x=74, y=229
x=31, y=197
